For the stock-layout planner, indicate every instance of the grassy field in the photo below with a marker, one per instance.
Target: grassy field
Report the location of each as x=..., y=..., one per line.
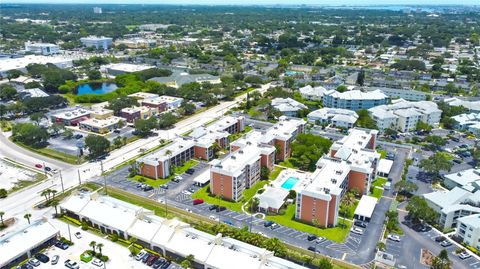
x=379, y=182
x=336, y=234
x=275, y=172
x=287, y=164
x=383, y=153
x=64, y=157
x=377, y=193
x=158, y=182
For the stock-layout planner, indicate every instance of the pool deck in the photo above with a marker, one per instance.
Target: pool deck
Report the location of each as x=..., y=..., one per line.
x=303, y=179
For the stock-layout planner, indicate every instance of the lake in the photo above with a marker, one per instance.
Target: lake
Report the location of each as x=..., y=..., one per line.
x=96, y=88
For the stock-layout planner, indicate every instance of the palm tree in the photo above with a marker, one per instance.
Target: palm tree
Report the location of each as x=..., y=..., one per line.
x=99, y=247
x=1, y=217
x=28, y=216
x=53, y=192
x=93, y=244
x=45, y=194
x=55, y=203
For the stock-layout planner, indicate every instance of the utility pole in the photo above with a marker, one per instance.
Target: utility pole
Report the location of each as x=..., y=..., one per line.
x=44, y=169
x=69, y=233
x=79, y=180
x=104, y=177
x=61, y=180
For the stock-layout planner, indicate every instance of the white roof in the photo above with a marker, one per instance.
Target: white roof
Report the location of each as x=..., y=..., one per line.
x=20, y=63
x=128, y=67
x=15, y=244
x=471, y=105
x=224, y=258
x=190, y=241
x=272, y=198
x=308, y=90
x=472, y=220
x=72, y=114
x=146, y=228
x=235, y=162
x=333, y=114
x=287, y=104
x=178, y=145
x=447, y=198
x=357, y=95
x=464, y=177
x=203, y=177
x=366, y=206
x=400, y=107
x=101, y=123
x=384, y=166
x=327, y=178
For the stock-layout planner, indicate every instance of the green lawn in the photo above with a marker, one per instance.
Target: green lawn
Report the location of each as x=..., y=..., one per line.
x=377, y=193
x=379, y=182
x=383, y=153
x=236, y=136
x=158, y=182
x=275, y=172
x=336, y=234
x=287, y=164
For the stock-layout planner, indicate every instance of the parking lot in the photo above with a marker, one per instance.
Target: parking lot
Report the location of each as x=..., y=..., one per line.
x=119, y=256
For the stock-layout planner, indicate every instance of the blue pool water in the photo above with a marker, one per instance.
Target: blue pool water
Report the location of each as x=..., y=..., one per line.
x=95, y=88
x=289, y=183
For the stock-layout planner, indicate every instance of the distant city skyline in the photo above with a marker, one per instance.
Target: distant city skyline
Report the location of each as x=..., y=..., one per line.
x=259, y=2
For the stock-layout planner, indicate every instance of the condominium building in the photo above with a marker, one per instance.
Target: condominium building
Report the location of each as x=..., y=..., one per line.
x=97, y=42
x=351, y=164
x=312, y=93
x=338, y=117
x=288, y=106
x=468, y=230
x=199, y=144
x=472, y=106
x=468, y=122
x=393, y=93
x=354, y=99
x=42, y=48
x=403, y=115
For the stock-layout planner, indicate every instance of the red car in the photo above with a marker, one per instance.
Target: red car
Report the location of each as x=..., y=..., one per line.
x=38, y=165
x=197, y=201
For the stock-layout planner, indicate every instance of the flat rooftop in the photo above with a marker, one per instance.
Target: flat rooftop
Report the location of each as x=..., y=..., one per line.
x=73, y=114
x=178, y=145
x=102, y=123
x=327, y=178
x=235, y=162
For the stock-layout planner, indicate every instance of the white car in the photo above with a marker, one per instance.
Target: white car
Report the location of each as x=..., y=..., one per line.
x=161, y=201
x=212, y=217
x=464, y=255
x=393, y=237
x=97, y=262
x=140, y=255
x=78, y=235
x=188, y=210
x=356, y=230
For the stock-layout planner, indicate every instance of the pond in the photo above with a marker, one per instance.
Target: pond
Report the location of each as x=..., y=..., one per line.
x=96, y=88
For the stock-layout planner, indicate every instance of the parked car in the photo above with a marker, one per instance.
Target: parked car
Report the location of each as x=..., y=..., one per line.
x=312, y=248
x=446, y=243
x=38, y=165
x=148, y=188
x=320, y=240
x=212, y=207
x=220, y=209
x=151, y=259
x=34, y=262
x=214, y=218
x=311, y=237
x=228, y=222
x=274, y=226
x=117, y=131
x=78, y=235
x=177, y=179
x=42, y=257
x=158, y=263
x=188, y=210
x=146, y=257
x=55, y=259
x=97, y=262
x=190, y=171
x=48, y=169
x=61, y=245
x=440, y=239
x=268, y=223
x=164, y=186
x=393, y=237
x=356, y=230
x=360, y=224
x=464, y=255
x=26, y=266
x=197, y=201
x=140, y=255
x=166, y=265
x=71, y=264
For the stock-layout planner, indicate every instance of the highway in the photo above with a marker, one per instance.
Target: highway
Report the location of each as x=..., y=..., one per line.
x=20, y=202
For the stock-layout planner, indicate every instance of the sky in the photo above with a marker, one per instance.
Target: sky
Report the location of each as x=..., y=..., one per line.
x=258, y=2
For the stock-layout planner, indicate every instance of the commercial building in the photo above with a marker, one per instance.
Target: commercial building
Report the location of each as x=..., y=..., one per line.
x=71, y=117
x=312, y=93
x=178, y=78
x=31, y=93
x=102, y=125
x=157, y=104
x=468, y=122
x=136, y=43
x=350, y=164
x=354, y=99
x=170, y=237
x=198, y=145
x=97, y=42
x=162, y=103
x=42, y=48
x=20, y=63
x=288, y=106
x=393, y=93
x=338, y=117
x=171, y=101
x=131, y=114
x=23, y=243
x=403, y=115
x=121, y=68
x=101, y=113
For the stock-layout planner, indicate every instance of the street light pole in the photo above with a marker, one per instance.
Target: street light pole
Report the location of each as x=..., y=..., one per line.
x=104, y=177
x=79, y=180
x=69, y=234
x=61, y=180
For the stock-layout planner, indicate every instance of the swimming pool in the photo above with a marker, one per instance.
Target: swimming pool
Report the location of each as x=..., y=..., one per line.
x=289, y=183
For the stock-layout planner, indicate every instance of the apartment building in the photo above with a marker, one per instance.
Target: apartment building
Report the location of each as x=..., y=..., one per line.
x=393, y=93
x=338, y=117
x=354, y=99
x=468, y=230
x=403, y=115
x=199, y=144
x=312, y=93
x=288, y=106
x=351, y=164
